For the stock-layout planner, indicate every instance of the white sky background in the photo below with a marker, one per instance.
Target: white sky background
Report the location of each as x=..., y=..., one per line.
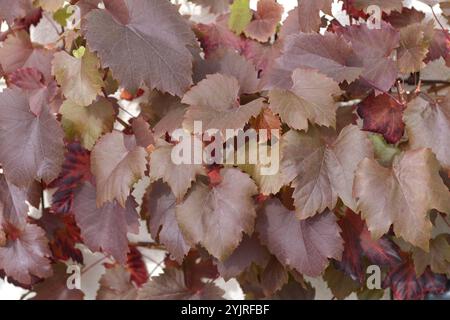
x=90, y=281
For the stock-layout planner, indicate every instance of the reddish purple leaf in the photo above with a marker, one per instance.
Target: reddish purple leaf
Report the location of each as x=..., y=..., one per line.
x=384, y=115
x=75, y=171
x=304, y=245
x=217, y=36
x=405, y=284
x=25, y=254
x=105, y=228
x=358, y=243
x=63, y=235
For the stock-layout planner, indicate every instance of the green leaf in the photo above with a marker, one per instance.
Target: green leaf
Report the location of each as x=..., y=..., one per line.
x=240, y=16
x=384, y=152
x=62, y=15
x=79, y=53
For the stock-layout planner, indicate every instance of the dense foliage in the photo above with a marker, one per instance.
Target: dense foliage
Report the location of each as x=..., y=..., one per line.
x=364, y=115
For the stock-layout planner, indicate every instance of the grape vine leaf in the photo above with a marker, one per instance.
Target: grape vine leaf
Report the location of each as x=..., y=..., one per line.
x=438, y=258
x=230, y=63
x=136, y=266
x=215, y=102
x=105, y=228
x=406, y=192
x=310, y=98
x=248, y=252
x=310, y=13
x=240, y=16
x=267, y=183
x=375, y=47
x=55, y=287
x=359, y=244
x=414, y=44
x=178, y=176
x=171, y=286
x=406, y=285
x=25, y=253
x=152, y=51
x=164, y=112
x=116, y=284
x=79, y=77
x=340, y=284
x=19, y=52
x=265, y=21
x=427, y=125
x=274, y=277
x=405, y=17
x=63, y=235
x=13, y=206
x=216, y=36
x=9, y=11
x=50, y=5
x=159, y=207
x=327, y=53
x=117, y=162
x=87, y=124
x=383, y=115
x=76, y=169
x=321, y=166
x=143, y=133
x=40, y=93
x=216, y=216
x=40, y=138
x=304, y=245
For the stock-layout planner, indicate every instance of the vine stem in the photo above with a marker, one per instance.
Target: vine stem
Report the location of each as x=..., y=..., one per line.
x=149, y=245
x=42, y=197
x=439, y=22
x=126, y=111
x=385, y=92
x=88, y=268
x=123, y=123
x=430, y=82
x=155, y=268
x=149, y=258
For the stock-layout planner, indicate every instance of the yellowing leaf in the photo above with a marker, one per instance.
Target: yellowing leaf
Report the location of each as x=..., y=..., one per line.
x=79, y=78
x=413, y=47
x=240, y=16
x=50, y=5
x=87, y=123
x=438, y=258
